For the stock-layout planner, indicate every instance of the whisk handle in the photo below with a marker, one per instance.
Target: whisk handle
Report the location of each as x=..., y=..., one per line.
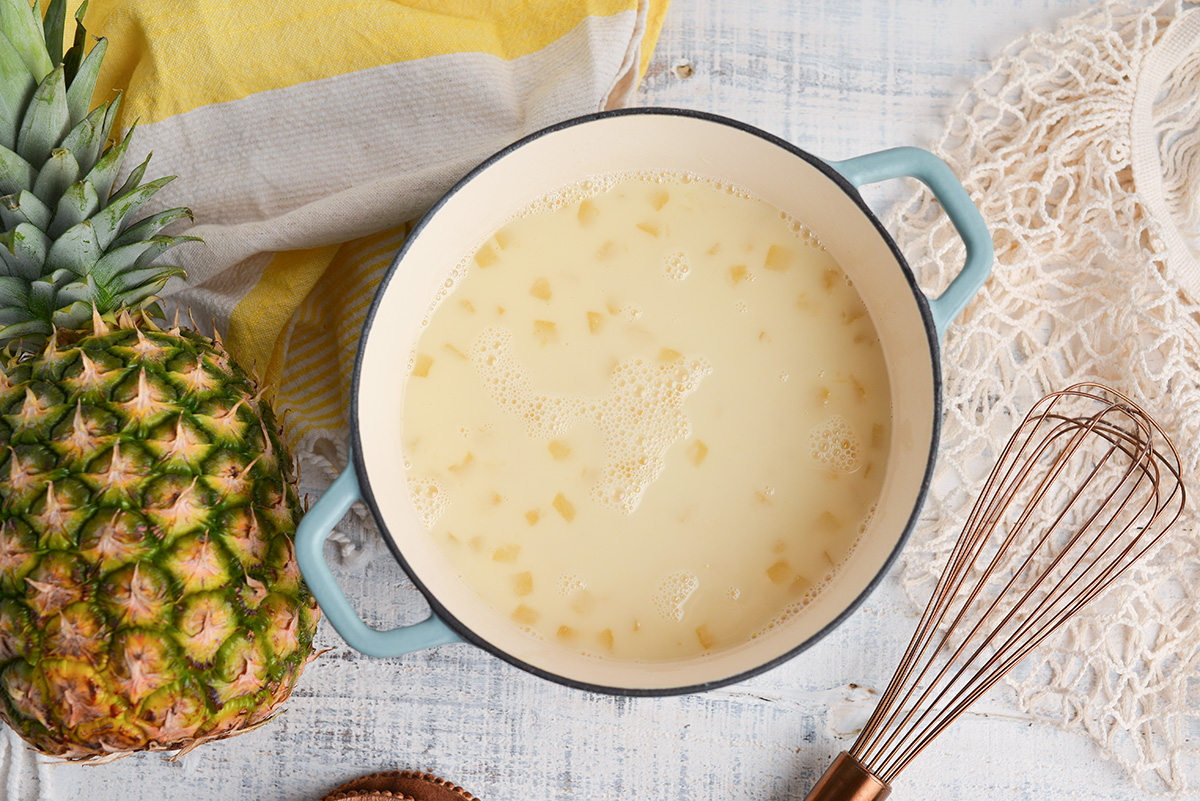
x=847, y=780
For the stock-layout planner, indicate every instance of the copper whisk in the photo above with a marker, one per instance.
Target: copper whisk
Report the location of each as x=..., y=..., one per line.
x=1086, y=486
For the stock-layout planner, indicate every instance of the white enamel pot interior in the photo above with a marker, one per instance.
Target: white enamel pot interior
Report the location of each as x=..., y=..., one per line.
x=656, y=139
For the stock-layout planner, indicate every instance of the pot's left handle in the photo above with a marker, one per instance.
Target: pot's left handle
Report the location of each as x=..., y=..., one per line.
x=314, y=529
x=913, y=162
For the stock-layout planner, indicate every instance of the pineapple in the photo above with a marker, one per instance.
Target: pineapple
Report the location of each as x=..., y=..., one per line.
x=149, y=594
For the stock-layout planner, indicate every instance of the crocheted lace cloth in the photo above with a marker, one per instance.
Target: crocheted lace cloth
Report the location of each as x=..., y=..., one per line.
x=1082, y=149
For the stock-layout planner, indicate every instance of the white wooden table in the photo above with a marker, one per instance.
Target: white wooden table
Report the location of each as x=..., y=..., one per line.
x=839, y=78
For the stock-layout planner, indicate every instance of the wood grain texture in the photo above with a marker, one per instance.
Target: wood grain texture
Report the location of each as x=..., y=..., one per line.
x=836, y=78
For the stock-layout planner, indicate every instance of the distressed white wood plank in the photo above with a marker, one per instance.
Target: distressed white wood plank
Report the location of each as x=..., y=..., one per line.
x=839, y=79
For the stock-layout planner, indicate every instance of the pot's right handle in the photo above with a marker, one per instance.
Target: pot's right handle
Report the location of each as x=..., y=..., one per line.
x=913, y=162
x=311, y=534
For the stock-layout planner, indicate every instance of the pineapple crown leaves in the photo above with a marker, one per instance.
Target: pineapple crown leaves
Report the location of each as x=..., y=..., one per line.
x=70, y=239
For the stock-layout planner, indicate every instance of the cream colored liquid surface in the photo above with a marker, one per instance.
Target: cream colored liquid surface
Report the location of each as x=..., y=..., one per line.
x=650, y=419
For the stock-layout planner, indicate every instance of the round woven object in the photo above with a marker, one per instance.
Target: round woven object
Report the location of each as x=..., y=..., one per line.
x=1082, y=149
x=405, y=785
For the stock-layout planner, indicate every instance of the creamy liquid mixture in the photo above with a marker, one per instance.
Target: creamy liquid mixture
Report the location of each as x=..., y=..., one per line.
x=650, y=419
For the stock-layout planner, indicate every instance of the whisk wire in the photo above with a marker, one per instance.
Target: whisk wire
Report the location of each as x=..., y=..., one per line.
x=966, y=554
x=1058, y=551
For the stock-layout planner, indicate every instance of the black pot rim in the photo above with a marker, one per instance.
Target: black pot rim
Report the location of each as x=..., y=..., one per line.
x=469, y=635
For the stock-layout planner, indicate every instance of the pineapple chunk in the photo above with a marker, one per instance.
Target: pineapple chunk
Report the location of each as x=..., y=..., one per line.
x=852, y=315
x=540, y=289
x=697, y=451
x=566, y=633
x=583, y=602
x=523, y=614
x=468, y=305
x=827, y=523
x=564, y=507
x=455, y=351
x=830, y=279
x=508, y=553
x=706, y=637
x=779, y=572
x=606, y=639
x=523, y=584
x=558, y=450
x=421, y=368
x=595, y=322
x=545, y=330
x=476, y=544
x=503, y=238
x=532, y=517
x=464, y=464
x=716, y=248
x=649, y=228
x=606, y=251
x=587, y=212
x=486, y=257
x=658, y=199
x=799, y=586
x=778, y=258
x=669, y=355
x=739, y=273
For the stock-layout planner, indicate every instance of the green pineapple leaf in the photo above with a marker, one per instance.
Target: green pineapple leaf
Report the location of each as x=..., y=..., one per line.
x=78, y=203
x=74, y=53
x=82, y=85
x=75, y=249
x=23, y=29
x=23, y=250
x=16, y=87
x=134, y=178
x=111, y=222
x=104, y=173
x=47, y=119
x=109, y=271
x=24, y=207
x=16, y=173
x=53, y=25
x=148, y=227
x=13, y=291
x=87, y=139
x=60, y=171
x=26, y=328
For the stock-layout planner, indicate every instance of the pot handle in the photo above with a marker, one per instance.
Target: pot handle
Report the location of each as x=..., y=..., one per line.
x=913, y=162
x=314, y=529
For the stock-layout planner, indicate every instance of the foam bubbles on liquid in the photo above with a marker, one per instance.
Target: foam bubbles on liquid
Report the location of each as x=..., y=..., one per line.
x=676, y=266
x=834, y=444
x=429, y=499
x=673, y=593
x=640, y=416
x=507, y=382
x=569, y=583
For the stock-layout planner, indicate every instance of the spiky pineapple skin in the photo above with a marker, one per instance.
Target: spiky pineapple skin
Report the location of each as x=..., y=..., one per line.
x=149, y=594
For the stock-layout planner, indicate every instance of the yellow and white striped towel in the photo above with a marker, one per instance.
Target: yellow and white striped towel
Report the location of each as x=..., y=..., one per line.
x=307, y=137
